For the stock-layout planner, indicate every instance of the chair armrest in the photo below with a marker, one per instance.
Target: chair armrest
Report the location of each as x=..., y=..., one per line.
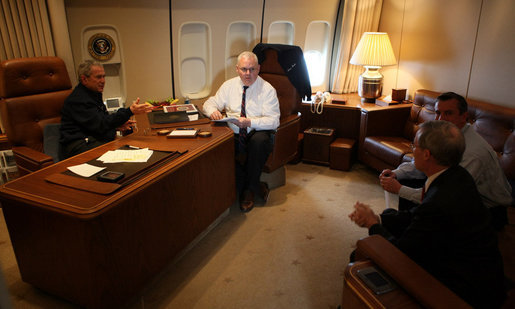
x=286, y=143
x=30, y=160
x=421, y=285
x=288, y=119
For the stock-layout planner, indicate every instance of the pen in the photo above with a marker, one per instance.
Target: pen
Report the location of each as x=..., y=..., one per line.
x=185, y=129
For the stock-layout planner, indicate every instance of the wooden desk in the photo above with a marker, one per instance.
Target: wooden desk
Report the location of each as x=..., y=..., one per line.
x=99, y=251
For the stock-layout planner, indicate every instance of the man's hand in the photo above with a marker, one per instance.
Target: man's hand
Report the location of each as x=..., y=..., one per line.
x=388, y=181
x=127, y=126
x=216, y=115
x=243, y=122
x=137, y=108
x=387, y=173
x=363, y=216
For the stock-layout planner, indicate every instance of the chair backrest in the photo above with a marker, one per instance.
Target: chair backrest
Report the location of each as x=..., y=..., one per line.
x=32, y=93
x=423, y=109
x=291, y=85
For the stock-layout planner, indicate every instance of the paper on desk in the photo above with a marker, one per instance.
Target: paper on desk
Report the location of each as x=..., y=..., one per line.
x=120, y=155
x=85, y=170
x=227, y=119
x=184, y=133
x=193, y=117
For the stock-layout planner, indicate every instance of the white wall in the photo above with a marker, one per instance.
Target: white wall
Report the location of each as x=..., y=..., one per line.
x=466, y=46
x=144, y=32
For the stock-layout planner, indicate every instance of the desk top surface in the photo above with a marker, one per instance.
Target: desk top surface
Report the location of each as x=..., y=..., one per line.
x=353, y=101
x=34, y=190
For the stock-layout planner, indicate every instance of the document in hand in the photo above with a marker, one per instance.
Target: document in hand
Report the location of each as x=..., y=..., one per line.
x=227, y=119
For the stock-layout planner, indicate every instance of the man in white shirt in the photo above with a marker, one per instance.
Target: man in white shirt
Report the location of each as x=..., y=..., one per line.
x=254, y=125
x=479, y=159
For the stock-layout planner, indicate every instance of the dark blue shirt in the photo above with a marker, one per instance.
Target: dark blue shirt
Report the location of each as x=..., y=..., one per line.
x=85, y=115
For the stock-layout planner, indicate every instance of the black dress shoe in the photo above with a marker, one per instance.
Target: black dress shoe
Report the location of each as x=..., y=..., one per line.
x=247, y=201
x=265, y=192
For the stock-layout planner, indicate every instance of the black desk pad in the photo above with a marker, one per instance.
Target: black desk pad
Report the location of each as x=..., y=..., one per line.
x=160, y=117
x=132, y=170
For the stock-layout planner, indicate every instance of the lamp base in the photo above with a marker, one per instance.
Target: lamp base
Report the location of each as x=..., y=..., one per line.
x=370, y=85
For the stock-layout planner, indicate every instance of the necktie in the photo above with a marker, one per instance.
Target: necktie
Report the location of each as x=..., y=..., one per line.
x=423, y=194
x=243, y=131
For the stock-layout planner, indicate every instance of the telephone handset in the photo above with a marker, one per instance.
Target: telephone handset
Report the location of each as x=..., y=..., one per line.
x=318, y=100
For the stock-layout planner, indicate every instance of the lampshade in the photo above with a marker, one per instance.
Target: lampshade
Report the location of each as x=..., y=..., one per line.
x=374, y=49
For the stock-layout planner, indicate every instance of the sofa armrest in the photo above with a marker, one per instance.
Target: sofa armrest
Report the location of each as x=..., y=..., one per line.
x=29, y=160
x=418, y=283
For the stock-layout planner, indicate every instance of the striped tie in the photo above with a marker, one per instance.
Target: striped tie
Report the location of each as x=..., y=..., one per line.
x=243, y=131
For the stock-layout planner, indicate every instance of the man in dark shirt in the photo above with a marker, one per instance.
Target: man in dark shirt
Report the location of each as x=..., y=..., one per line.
x=449, y=233
x=85, y=122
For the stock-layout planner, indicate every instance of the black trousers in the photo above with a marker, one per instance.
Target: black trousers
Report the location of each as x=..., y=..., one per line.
x=78, y=146
x=252, y=158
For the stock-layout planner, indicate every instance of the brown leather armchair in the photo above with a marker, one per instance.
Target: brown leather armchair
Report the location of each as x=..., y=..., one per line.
x=32, y=92
x=286, y=137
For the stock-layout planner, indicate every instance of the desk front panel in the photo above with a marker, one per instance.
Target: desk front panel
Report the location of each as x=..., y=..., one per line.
x=99, y=251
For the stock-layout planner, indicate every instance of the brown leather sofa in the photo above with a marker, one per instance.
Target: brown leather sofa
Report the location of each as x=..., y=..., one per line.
x=386, y=134
x=32, y=92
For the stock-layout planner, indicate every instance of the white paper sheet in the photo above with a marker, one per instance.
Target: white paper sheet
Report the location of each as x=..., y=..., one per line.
x=120, y=155
x=85, y=170
x=185, y=133
x=388, y=199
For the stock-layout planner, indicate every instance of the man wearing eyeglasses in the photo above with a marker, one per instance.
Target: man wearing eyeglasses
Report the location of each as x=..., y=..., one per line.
x=449, y=233
x=252, y=104
x=479, y=159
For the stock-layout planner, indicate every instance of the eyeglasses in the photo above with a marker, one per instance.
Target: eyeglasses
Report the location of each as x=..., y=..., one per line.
x=244, y=70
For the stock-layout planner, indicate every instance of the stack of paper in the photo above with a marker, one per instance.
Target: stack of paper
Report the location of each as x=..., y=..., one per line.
x=119, y=155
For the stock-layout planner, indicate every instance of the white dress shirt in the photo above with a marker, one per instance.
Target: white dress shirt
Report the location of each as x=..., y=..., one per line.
x=261, y=103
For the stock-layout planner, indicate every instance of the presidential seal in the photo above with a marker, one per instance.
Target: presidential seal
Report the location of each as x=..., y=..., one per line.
x=101, y=46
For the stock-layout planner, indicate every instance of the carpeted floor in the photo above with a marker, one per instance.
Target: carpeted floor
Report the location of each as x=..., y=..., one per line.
x=290, y=253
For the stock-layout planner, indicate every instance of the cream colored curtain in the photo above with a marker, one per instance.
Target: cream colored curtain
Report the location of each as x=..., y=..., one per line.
x=33, y=28
x=358, y=16
x=25, y=29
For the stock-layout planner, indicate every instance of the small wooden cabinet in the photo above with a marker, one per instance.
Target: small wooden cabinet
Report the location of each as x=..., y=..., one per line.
x=316, y=145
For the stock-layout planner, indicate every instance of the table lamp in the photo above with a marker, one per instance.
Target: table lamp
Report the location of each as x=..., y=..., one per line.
x=374, y=50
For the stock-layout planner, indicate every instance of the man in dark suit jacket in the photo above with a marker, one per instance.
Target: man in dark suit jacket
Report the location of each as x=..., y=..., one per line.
x=449, y=234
